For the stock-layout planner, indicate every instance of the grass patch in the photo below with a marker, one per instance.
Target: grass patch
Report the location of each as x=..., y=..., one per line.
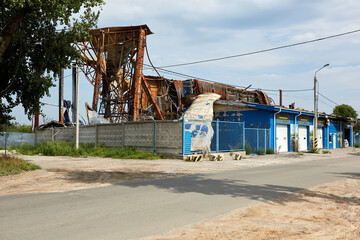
x=260, y=151
x=69, y=149
x=312, y=150
x=269, y=151
x=11, y=165
x=300, y=153
x=326, y=152
x=357, y=145
x=247, y=148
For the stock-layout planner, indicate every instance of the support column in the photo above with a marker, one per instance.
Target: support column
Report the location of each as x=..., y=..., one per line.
x=138, y=74
x=99, y=62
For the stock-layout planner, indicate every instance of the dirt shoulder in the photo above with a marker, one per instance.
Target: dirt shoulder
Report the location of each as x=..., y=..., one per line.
x=328, y=211
x=68, y=173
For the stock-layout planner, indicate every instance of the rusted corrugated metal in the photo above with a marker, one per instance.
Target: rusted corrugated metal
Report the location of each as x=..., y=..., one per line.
x=113, y=62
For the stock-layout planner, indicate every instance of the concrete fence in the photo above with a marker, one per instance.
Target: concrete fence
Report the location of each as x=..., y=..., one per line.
x=154, y=136
x=17, y=138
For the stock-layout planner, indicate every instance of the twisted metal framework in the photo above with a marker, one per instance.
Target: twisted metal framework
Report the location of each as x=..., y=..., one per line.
x=113, y=62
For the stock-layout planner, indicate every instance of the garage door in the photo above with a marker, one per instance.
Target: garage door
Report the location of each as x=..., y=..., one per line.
x=282, y=138
x=320, y=134
x=303, y=138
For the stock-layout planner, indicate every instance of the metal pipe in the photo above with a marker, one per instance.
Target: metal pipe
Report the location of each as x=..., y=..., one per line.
x=77, y=109
x=297, y=130
x=275, y=143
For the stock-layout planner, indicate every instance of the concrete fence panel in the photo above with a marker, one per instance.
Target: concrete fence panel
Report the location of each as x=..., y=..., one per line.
x=139, y=134
x=43, y=135
x=168, y=136
x=110, y=135
x=158, y=136
x=64, y=134
x=87, y=134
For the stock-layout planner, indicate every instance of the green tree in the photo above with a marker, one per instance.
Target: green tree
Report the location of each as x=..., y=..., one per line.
x=357, y=126
x=344, y=110
x=35, y=43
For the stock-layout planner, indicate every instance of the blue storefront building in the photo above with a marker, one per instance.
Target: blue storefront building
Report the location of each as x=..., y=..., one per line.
x=288, y=129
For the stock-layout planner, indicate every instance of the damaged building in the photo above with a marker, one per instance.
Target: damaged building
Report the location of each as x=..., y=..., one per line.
x=113, y=64
x=183, y=117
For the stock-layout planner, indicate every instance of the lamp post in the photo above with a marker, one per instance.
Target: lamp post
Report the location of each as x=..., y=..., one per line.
x=316, y=109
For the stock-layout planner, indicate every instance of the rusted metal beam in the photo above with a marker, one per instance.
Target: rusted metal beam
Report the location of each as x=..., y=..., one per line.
x=98, y=74
x=138, y=74
x=146, y=87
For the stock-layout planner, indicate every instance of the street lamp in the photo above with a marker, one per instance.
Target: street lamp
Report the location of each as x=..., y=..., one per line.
x=316, y=109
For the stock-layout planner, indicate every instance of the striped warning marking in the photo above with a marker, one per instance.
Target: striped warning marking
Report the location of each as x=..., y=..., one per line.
x=220, y=158
x=197, y=158
x=212, y=157
x=238, y=156
x=316, y=144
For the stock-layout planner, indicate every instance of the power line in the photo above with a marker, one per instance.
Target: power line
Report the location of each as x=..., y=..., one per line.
x=208, y=80
x=326, y=103
x=261, y=51
x=328, y=99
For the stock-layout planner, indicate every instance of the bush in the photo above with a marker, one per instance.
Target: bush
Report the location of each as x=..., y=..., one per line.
x=357, y=145
x=261, y=151
x=247, y=148
x=269, y=151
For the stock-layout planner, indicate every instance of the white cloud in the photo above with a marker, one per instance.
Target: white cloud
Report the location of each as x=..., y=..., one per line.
x=195, y=30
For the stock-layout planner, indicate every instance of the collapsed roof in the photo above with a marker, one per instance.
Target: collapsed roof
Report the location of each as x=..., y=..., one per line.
x=113, y=63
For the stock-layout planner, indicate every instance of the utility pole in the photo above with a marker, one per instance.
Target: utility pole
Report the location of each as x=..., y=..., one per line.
x=61, y=95
x=77, y=108
x=316, y=110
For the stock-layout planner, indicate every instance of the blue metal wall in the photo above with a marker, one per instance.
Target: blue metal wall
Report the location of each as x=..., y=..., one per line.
x=227, y=136
x=258, y=139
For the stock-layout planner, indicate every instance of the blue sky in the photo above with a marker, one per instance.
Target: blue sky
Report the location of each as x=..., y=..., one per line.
x=186, y=31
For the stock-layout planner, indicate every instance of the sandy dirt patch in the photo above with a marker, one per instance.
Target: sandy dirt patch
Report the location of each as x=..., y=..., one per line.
x=329, y=211
x=68, y=173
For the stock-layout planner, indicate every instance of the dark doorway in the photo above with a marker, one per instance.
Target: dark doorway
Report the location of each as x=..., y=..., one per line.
x=347, y=135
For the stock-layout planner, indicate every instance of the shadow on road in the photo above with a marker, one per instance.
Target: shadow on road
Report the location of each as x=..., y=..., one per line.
x=111, y=177
x=203, y=184
x=352, y=175
x=354, y=154
x=238, y=188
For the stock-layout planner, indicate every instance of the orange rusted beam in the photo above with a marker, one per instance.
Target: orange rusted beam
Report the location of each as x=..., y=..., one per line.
x=156, y=108
x=99, y=63
x=138, y=74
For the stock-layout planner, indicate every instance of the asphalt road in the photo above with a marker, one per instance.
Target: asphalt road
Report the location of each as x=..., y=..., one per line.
x=137, y=209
